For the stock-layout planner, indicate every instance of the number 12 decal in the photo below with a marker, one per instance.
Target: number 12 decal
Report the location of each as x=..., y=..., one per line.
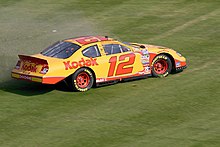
x=121, y=69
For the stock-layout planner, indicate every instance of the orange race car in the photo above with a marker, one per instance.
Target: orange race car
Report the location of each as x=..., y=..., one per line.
x=95, y=60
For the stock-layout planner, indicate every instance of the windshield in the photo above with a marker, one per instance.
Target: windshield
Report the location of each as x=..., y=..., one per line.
x=61, y=50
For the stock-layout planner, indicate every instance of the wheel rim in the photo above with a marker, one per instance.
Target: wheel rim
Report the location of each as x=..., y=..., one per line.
x=83, y=80
x=161, y=66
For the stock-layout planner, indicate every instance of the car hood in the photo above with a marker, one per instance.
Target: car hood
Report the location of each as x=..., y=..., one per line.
x=147, y=46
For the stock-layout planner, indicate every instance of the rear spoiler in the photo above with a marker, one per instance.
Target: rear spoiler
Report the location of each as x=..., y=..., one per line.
x=32, y=59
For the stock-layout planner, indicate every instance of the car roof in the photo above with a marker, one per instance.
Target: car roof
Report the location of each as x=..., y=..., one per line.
x=84, y=40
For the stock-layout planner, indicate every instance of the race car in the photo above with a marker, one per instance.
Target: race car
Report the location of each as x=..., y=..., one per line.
x=88, y=61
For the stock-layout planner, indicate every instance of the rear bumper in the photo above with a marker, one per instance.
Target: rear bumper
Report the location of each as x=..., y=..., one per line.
x=27, y=77
x=39, y=79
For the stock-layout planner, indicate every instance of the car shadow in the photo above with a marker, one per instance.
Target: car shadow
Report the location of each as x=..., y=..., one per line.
x=26, y=88
x=176, y=72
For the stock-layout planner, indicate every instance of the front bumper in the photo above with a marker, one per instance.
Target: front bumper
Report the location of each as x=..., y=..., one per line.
x=181, y=68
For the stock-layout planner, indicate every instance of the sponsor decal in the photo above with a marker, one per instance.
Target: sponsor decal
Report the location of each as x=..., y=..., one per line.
x=28, y=66
x=80, y=63
x=25, y=77
x=44, y=70
x=147, y=68
x=100, y=80
x=159, y=57
x=18, y=65
x=78, y=88
x=145, y=52
x=145, y=57
x=141, y=72
x=165, y=74
x=145, y=61
x=86, y=70
x=178, y=64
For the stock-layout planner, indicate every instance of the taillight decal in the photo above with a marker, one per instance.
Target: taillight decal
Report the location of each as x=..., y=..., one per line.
x=18, y=64
x=44, y=69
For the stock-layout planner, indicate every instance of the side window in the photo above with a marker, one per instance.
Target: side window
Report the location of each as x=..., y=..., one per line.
x=91, y=51
x=112, y=49
x=124, y=48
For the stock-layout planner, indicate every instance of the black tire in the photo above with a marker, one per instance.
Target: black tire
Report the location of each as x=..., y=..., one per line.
x=161, y=66
x=82, y=80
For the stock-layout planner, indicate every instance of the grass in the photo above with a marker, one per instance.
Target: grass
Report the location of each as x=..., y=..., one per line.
x=180, y=110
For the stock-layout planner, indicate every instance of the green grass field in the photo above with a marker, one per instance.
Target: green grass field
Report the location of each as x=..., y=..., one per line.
x=180, y=110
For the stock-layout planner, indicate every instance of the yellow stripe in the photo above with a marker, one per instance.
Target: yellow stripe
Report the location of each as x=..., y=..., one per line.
x=36, y=79
x=14, y=75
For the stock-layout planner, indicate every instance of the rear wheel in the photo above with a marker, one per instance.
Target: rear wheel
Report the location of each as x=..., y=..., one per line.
x=162, y=66
x=82, y=80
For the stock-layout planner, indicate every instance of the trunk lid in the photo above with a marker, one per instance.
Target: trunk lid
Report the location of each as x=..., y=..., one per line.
x=32, y=65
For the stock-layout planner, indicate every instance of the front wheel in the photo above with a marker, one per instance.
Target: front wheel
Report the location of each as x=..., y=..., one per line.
x=82, y=80
x=161, y=66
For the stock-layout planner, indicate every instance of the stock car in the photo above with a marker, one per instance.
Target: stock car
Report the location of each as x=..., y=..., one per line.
x=89, y=61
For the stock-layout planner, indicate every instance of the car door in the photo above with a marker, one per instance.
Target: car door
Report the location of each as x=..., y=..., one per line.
x=118, y=61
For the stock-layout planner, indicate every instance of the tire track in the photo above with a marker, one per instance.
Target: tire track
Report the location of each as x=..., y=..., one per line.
x=204, y=66
x=185, y=25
